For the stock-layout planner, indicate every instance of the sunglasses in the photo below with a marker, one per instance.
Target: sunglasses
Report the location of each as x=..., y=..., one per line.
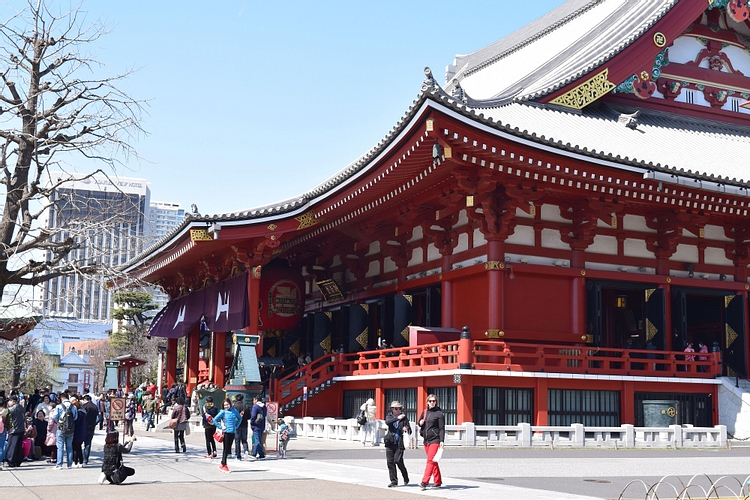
x=432, y=401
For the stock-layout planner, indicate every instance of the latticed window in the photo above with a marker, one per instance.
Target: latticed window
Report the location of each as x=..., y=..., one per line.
x=503, y=406
x=407, y=397
x=354, y=399
x=446, y=401
x=590, y=408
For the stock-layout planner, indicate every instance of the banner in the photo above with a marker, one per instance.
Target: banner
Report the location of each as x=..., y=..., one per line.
x=222, y=305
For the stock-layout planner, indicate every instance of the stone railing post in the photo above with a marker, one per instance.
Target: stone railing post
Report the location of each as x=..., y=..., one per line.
x=629, y=435
x=525, y=431
x=470, y=434
x=579, y=435
x=677, y=437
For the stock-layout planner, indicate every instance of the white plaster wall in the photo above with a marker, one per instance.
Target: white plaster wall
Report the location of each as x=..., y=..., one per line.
x=523, y=215
x=416, y=234
x=463, y=243
x=389, y=265
x=551, y=213
x=739, y=59
x=479, y=238
x=551, y=239
x=685, y=253
x=336, y=261
x=715, y=233
x=688, y=234
x=433, y=253
x=684, y=49
x=349, y=277
x=603, y=244
x=374, y=248
x=463, y=219
x=522, y=235
x=374, y=269
x=636, y=248
x=635, y=223
x=416, y=257
x=337, y=277
x=716, y=256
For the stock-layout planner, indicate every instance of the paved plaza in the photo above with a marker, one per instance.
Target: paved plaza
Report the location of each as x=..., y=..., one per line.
x=345, y=470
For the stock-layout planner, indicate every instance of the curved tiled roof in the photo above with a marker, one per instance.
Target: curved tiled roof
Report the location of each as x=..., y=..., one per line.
x=579, y=38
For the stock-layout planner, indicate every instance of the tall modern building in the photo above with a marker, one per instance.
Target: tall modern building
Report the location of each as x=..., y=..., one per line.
x=163, y=217
x=108, y=218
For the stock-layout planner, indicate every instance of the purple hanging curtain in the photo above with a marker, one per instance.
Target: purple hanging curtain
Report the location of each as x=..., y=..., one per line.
x=223, y=304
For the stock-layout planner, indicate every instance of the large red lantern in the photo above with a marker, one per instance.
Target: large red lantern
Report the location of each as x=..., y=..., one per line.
x=282, y=298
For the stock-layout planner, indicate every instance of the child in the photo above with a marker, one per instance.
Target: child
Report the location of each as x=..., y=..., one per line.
x=113, y=469
x=283, y=439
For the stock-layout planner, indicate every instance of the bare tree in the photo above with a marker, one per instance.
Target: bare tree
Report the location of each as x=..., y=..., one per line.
x=23, y=366
x=56, y=110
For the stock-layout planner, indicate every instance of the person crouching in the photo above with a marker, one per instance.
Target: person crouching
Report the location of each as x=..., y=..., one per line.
x=113, y=470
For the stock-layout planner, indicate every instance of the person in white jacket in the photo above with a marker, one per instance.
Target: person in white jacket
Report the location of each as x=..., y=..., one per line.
x=369, y=428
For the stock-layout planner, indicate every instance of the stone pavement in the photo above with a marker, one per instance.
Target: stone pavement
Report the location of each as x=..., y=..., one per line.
x=344, y=470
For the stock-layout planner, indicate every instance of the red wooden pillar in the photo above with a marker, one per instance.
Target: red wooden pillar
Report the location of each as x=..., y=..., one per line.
x=380, y=402
x=541, y=403
x=171, y=362
x=421, y=398
x=446, y=310
x=194, y=340
x=628, y=403
x=579, y=308
x=465, y=400
x=220, y=357
x=495, y=266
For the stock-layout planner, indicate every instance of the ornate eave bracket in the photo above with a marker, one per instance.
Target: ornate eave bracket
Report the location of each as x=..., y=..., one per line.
x=587, y=92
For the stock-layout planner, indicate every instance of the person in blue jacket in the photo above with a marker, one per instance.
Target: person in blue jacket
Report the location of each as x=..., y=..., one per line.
x=258, y=424
x=228, y=419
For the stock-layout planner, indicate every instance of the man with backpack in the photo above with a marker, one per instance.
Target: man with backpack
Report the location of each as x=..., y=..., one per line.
x=258, y=424
x=65, y=415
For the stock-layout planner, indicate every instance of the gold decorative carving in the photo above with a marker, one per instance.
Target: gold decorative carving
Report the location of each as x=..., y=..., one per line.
x=307, y=220
x=405, y=332
x=437, y=214
x=493, y=333
x=532, y=209
x=366, y=307
x=651, y=330
x=200, y=235
x=470, y=200
x=669, y=280
x=583, y=272
x=587, y=92
x=494, y=265
x=649, y=292
x=272, y=351
x=747, y=287
x=295, y=348
x=613, y=223
x=272, y=227
x=329, y=315
x=362, y=338
x=728, y=299
x=660, y=40
x=409, y=299
x=326, y=344
x=701, y=233
x=731, y=335
x=256, y=272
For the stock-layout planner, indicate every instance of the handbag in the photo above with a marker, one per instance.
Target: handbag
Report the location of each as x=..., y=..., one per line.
x=173, y=423
x=438, y=455
x=219, y=436
x=389, y=439
x=362, y=418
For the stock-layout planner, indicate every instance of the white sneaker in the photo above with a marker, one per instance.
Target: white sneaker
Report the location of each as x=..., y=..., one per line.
x=101, y=479
x=58, y=467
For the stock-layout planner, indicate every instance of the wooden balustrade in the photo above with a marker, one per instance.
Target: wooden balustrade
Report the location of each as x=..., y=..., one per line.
x=498, y=355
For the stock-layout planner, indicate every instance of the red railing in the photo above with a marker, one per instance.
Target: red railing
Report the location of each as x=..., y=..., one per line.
x=496, y=355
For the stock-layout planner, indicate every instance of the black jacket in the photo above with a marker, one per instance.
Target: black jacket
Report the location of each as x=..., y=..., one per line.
x=113, y=457
x=434, y=426
x=399, y=428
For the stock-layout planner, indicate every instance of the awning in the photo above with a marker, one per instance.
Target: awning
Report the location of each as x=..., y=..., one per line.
x=223, y=307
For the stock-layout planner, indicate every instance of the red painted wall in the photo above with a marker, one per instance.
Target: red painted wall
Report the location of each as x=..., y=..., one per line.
x=538, y=308
x=470, y=304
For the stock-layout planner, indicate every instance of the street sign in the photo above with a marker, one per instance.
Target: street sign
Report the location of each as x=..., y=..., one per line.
x=117, y=408
x=272, y=412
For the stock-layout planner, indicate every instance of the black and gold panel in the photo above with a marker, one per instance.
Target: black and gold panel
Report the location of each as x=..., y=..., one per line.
x=359, y=331
x=321, y=343
x=734, y=340
x=402, y=319
x=654, y=305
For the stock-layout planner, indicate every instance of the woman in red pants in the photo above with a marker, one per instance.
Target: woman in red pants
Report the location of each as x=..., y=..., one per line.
x=432, y=422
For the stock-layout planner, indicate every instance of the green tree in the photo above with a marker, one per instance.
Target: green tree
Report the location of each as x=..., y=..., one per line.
x=131, y=335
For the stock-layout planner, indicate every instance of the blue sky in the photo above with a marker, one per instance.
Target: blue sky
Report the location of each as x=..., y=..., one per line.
x=255, y=102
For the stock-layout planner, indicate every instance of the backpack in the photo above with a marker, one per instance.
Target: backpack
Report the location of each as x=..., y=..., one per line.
x=362, y=418
x=258, y=417
x=284, y=436
x=67, y=423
